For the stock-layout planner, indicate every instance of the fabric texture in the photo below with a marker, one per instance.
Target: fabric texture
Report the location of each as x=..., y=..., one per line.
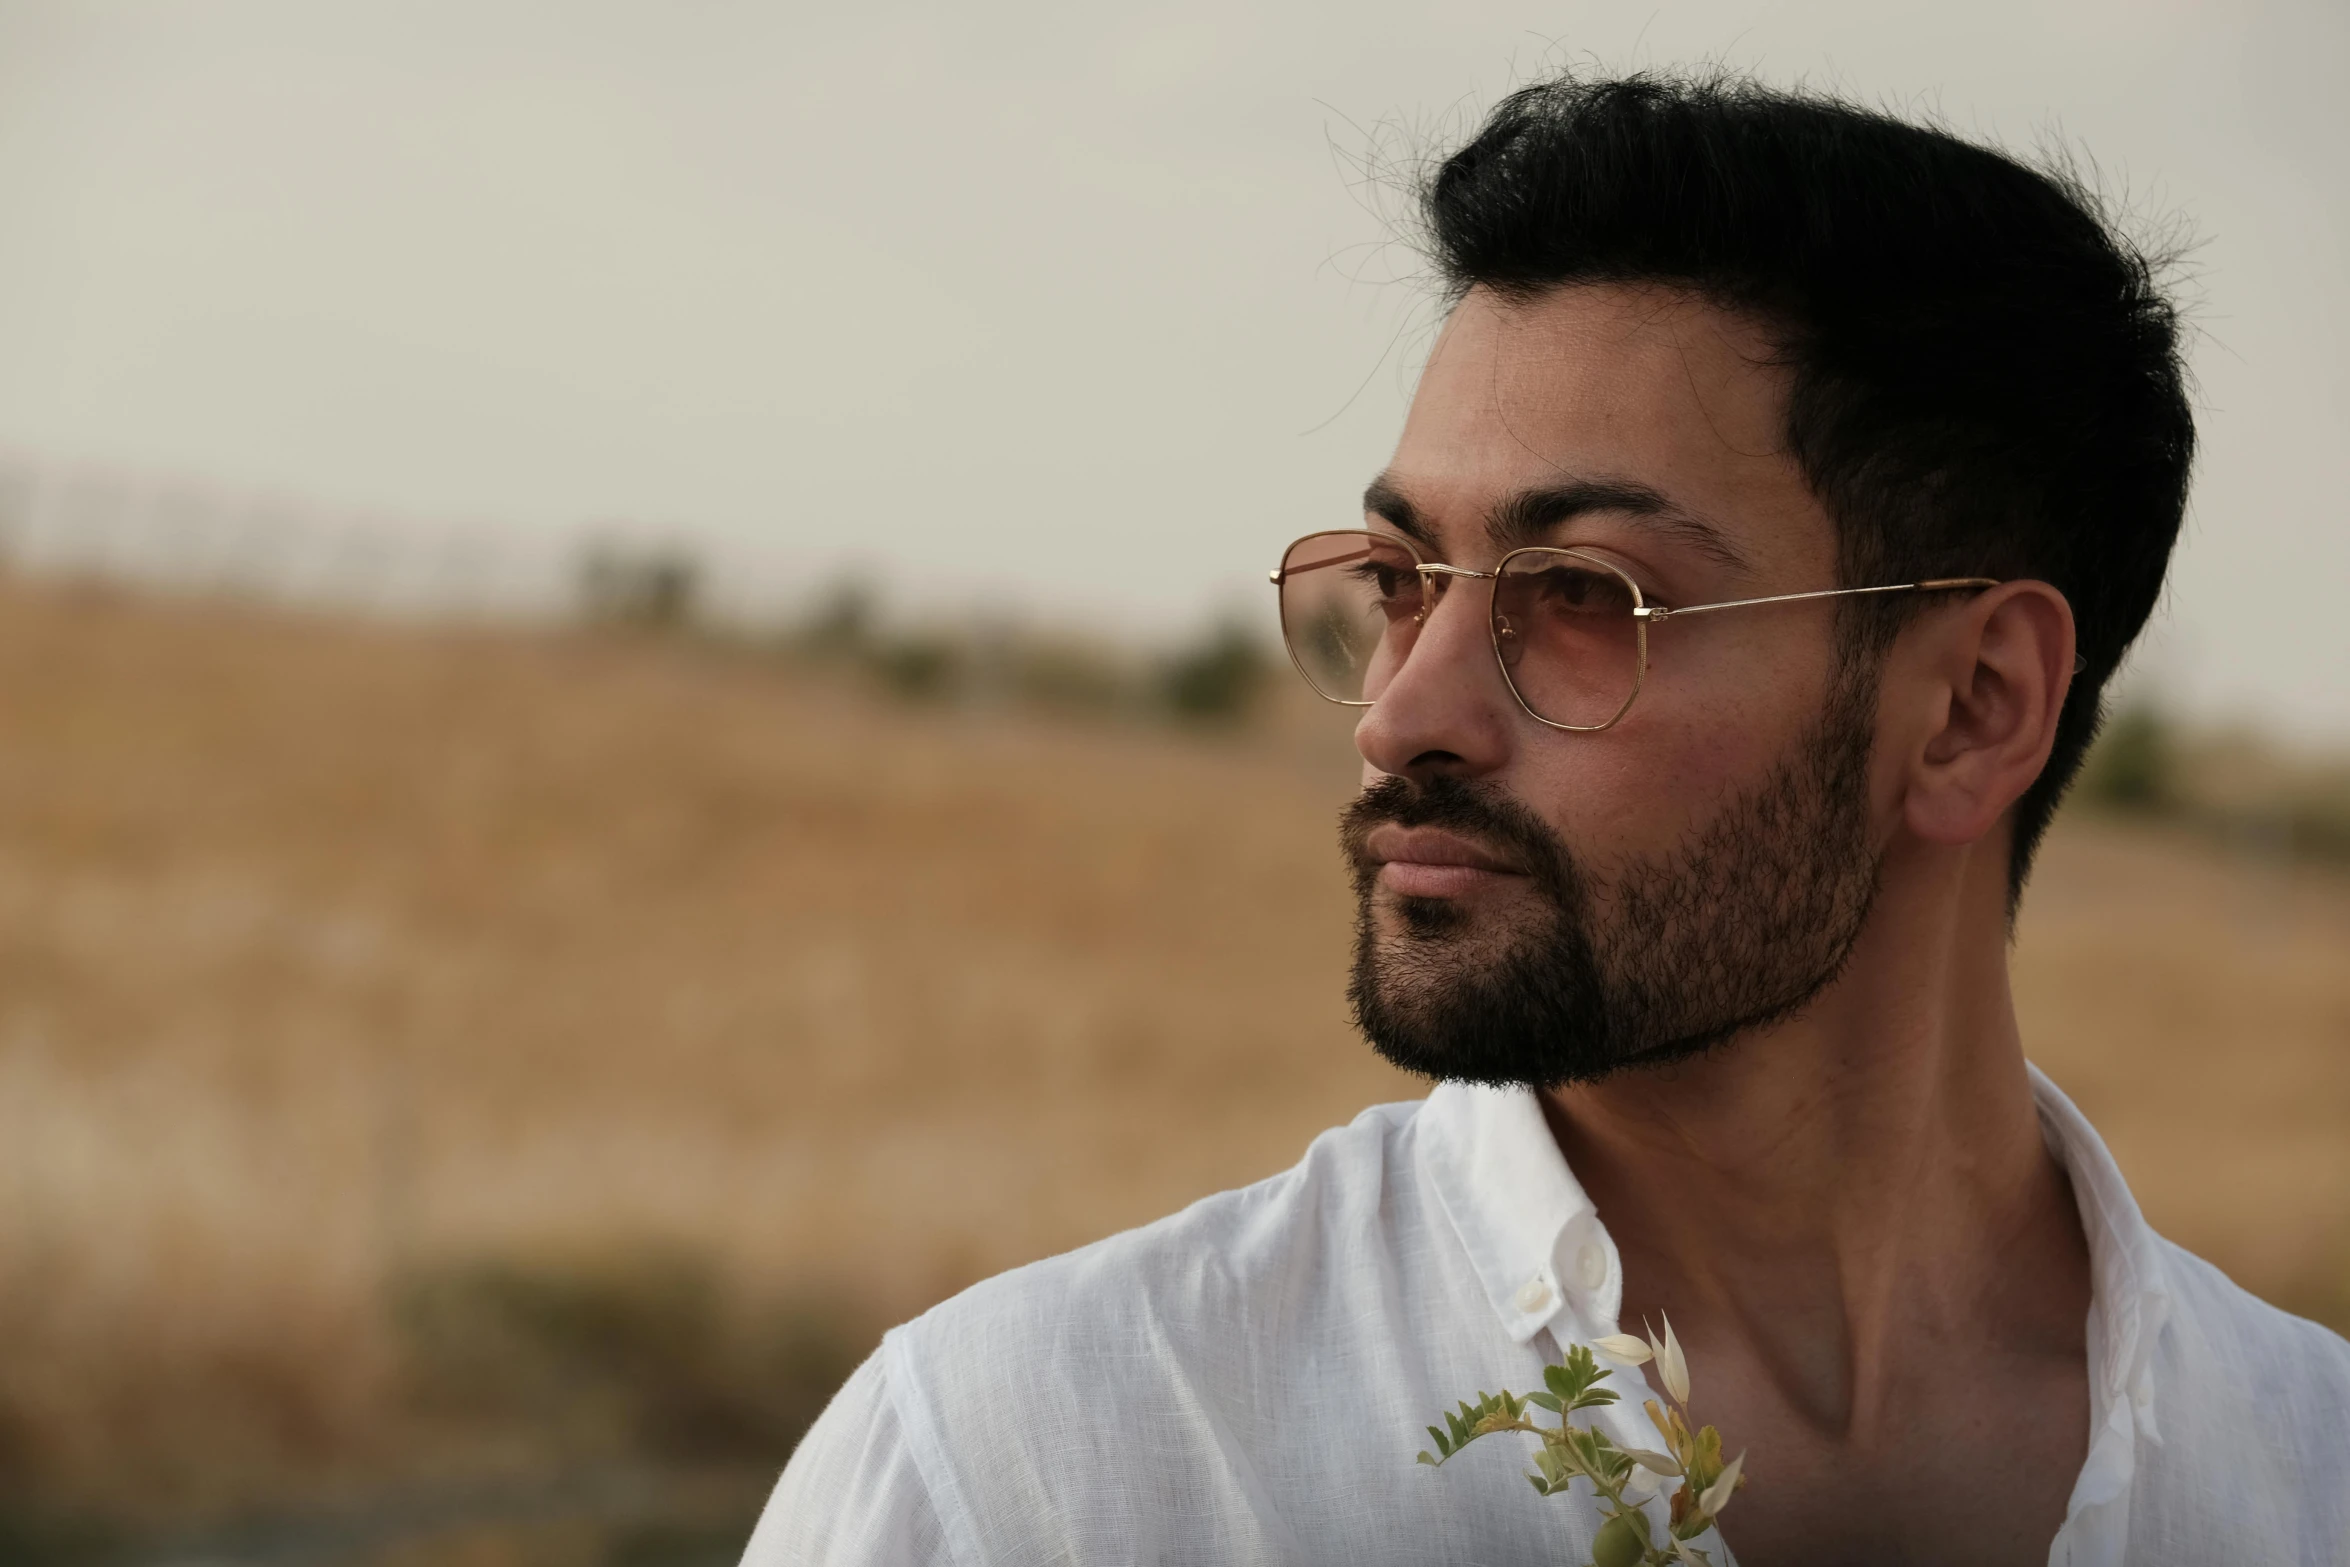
x=1244, y=1381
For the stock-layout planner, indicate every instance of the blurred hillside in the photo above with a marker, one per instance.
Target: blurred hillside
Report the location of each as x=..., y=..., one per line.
x=469, y=1094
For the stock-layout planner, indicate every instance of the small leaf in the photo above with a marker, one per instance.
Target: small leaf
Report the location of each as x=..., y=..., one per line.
x=1662, y=1463
x=1593, y=1398
x=1549, y=1401
x=1675, y=1369
x=1577, y=1373
x=1430, y=1462
x=1717, y=1495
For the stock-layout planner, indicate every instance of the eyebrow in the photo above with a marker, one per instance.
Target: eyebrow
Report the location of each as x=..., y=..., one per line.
x=1390, y=505
x=1528, y=516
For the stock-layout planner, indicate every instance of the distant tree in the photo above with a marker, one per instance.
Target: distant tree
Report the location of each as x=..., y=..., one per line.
x=2134, y=763
x=655, y=588
x=920, y=667
x=841, y=624
x=1218, y=679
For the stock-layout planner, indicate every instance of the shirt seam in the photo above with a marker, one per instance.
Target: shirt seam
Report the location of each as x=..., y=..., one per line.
x=926, y=1448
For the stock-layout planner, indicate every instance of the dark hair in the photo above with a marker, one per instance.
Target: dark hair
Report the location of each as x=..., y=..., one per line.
x=1985, y=375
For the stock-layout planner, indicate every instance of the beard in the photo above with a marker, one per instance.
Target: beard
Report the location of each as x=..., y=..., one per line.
x=1737, y=928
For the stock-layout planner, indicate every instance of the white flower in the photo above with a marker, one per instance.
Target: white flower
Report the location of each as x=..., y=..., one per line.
x=1629, y=1348
x=1717, y=1495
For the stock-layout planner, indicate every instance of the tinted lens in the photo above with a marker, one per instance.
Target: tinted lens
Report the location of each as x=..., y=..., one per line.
x=1350, y=606
x=1567, y=637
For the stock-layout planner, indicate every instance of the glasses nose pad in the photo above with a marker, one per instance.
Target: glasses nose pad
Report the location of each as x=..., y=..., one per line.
x=1505, y=638
x=1432, y=586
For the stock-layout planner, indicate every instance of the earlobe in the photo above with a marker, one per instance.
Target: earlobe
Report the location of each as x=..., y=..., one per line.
x=1997, y=669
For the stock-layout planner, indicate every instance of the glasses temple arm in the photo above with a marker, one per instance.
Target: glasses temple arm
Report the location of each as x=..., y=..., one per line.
x=1655, y=612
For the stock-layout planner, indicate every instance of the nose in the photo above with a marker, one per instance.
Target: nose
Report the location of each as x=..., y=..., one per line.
x=1446, y=709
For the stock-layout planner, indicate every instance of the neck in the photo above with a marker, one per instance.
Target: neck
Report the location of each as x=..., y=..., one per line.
x=1858, y=1187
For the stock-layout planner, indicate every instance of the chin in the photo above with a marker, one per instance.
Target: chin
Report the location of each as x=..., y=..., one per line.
x=1423, y=919
x=1501, y=916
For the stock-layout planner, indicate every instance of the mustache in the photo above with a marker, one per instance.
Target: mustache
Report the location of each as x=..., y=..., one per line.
x=1473, y=810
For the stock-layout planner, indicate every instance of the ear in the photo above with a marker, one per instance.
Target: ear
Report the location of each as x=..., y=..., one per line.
x=1992, y=676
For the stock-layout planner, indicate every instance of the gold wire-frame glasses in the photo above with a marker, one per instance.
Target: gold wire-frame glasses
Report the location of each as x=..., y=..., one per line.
x=1569, y=629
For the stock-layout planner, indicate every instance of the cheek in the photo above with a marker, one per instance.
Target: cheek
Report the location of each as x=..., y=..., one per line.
x=1635, y=791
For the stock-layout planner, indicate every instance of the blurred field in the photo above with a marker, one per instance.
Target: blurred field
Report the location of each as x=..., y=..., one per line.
x=385, y=1009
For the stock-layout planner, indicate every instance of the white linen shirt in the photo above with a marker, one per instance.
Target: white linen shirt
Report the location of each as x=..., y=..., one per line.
x=1248, y=1380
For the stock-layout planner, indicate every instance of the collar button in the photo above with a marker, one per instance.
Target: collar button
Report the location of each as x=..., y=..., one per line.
x=1532, y=1295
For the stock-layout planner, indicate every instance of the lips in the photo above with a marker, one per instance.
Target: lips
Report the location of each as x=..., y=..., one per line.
x=1428, y=862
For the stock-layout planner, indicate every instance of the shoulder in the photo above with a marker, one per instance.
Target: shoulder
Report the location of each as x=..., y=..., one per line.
x=2235, y=1344
x=1068, y=1409
x=851, y=1493
x=2245, y=1416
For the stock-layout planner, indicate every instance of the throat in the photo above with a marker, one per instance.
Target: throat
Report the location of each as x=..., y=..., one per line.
x=1833, y=1246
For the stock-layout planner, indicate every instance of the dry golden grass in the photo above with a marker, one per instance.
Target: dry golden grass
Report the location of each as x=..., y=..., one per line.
x=330, y=949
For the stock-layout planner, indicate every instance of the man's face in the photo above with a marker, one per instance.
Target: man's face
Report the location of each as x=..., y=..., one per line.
x=1542, y=906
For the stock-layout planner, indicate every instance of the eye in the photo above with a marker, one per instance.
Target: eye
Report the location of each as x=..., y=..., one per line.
x=1564, y=588
x=1388, y=579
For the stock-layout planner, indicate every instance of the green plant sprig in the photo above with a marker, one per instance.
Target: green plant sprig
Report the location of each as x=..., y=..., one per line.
x=1569, y=1452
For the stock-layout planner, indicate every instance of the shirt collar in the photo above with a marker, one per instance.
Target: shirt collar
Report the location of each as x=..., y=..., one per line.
x=2129, y=1300
x=1528, y=1226
x=1538, y=1247
x=2129, y=1304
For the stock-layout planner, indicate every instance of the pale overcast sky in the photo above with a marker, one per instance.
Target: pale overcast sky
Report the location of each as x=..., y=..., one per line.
x=1073, y=298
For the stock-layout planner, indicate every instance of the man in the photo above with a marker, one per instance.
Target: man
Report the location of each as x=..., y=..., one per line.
x=1783, y=489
